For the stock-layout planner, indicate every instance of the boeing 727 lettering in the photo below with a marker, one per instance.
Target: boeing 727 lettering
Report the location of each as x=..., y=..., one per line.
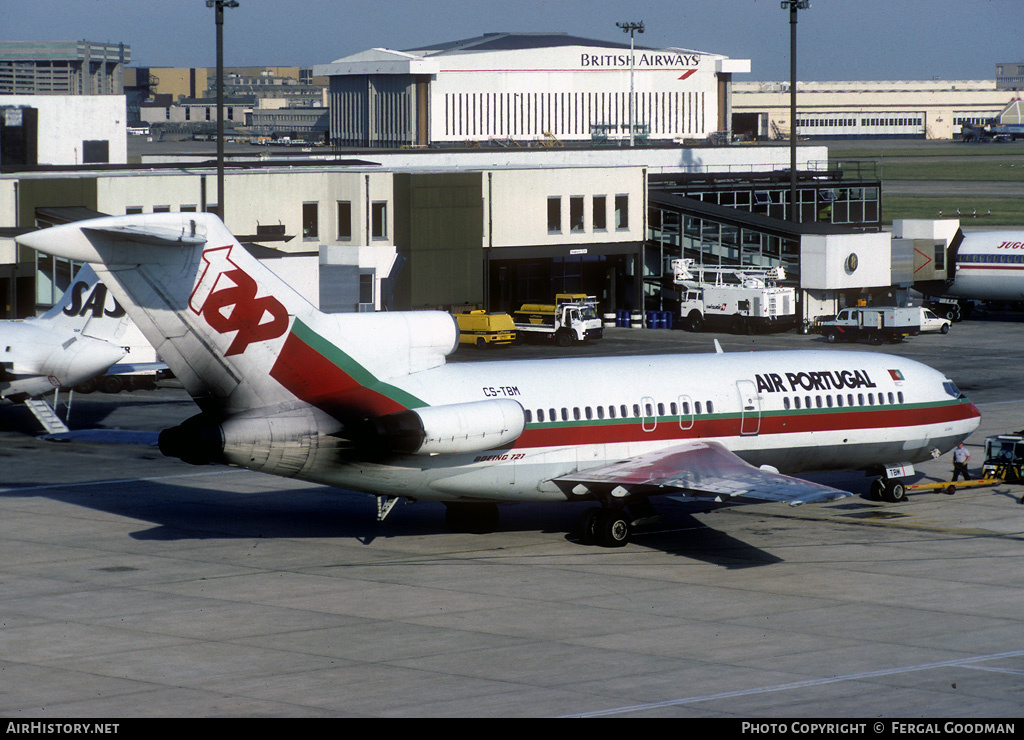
x=366, y=402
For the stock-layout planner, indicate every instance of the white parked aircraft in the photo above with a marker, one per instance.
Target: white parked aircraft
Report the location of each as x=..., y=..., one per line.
x=74, y=341
x=985, y=266
x=366, y=402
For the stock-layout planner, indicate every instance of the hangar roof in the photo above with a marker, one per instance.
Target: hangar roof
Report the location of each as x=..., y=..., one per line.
x=518, y=42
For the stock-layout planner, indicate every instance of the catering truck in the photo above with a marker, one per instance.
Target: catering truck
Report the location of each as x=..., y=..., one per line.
x=571, y=318
x=742, y=299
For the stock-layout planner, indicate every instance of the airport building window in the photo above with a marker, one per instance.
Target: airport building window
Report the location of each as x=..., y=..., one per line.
x=379, y=219
x=576, y=213
x=621, y=212
x=344, y=219
x=600, y=217
x=366, y=288
x=554, y=215
x=310, y=220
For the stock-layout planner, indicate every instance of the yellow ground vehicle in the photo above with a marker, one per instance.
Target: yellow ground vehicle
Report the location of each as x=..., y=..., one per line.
x=482, y=328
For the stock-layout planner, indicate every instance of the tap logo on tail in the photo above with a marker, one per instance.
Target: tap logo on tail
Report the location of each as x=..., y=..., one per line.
x=225, y=297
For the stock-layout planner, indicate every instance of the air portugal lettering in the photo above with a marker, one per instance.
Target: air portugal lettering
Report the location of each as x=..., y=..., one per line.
x=823, y=380
x=225, y=297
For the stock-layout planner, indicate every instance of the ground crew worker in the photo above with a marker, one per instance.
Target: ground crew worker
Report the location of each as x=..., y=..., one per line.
x=960, y=458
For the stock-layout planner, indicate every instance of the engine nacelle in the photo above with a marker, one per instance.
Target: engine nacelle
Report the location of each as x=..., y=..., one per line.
x=281, y=443
x=453, y=428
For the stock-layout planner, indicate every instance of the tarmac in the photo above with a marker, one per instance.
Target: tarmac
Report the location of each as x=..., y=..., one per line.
x=133, y=585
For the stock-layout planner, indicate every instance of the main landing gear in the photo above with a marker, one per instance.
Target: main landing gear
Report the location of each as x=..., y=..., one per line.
x=888, y=489
x=611, y=526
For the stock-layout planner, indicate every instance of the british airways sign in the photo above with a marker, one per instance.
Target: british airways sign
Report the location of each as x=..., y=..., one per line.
x=662, y=60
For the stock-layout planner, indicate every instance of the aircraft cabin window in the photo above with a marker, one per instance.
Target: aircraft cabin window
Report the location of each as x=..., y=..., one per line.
x=674, y=408
x=565, y=414
x=860, y=399
x=797, y=402
x=552, y=415
x=576, y=413
x=649, y=408
x=871, y=399
x=540, y=414
x=589, y=412
x=636, y=411
x=661, y=409
x=828, y=401
x=697, y=407
x=528, y=414
x=899, y=396
x=891, y=398
x=711, y=407
x=785, y=403
x=623, y=413
x=611, y=412
x=686, y=408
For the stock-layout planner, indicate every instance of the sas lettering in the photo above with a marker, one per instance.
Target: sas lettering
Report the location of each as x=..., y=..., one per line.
x=501, y=390
x=96, y=303
x=824, y=380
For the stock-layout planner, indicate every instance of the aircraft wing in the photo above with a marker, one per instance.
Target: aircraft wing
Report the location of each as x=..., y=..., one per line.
x=701, y=469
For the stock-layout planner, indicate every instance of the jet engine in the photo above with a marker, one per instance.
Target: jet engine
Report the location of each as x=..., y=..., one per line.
x=453, y=428
x=282, y=443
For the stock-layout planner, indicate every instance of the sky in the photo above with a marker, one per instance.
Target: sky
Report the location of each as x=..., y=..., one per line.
x=837, y=39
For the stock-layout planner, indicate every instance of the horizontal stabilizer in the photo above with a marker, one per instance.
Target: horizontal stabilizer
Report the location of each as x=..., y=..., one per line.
x=153, y=235
x=701, y=470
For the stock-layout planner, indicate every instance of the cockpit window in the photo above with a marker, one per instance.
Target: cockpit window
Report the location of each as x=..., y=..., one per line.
x=950, y=387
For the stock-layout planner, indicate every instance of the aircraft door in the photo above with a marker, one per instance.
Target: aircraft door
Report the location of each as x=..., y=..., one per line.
x=648, y=414
x=750, y=407
x=685, y=413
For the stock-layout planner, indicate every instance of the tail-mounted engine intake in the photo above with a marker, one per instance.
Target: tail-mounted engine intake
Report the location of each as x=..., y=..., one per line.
x=282, y=443
x=454, y=428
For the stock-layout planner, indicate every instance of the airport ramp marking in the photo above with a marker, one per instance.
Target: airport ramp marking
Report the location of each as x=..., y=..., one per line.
x=957, y=663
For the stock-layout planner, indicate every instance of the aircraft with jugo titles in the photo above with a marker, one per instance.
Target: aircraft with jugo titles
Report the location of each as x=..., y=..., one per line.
x=983, y=266
x=367, y=403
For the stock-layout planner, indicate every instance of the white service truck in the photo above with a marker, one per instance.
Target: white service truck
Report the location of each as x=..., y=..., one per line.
x=571, y=318
x=877, y=324
x=744, y=300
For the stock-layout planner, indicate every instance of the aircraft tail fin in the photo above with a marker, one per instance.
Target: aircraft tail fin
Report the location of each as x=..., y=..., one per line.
x=88, y=309
x=235, y=334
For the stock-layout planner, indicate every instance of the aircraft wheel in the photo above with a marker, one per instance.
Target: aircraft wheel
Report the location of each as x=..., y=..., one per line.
x=895, y=491
x=471, y=518
x=613, y=529
x=877, y=489
x=589, y=526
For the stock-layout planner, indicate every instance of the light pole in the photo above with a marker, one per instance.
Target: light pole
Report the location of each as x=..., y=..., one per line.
x=631, y=27
x=219, y=17
x=793, y=6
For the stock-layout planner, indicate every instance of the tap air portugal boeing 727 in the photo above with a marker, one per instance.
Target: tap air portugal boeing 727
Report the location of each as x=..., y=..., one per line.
x=366, y=402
